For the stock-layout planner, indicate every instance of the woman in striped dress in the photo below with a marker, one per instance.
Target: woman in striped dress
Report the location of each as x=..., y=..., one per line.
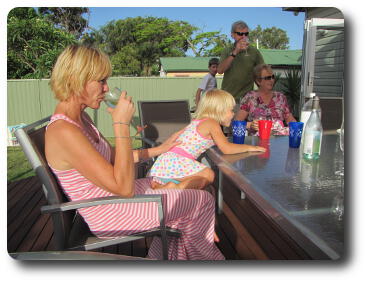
x=88, y=167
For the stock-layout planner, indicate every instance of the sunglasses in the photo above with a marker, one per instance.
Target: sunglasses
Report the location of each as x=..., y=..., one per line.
x=241, y=33
x=268, y=78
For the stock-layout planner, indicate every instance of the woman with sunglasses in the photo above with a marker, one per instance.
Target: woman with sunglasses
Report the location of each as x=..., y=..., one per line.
x=265, y=104
x=238, y=61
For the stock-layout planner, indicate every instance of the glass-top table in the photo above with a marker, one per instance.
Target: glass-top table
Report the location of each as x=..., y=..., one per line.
x=307, y=195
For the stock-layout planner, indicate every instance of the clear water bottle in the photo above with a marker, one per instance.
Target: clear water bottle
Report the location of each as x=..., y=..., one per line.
x=313, y=132
x=307, y=109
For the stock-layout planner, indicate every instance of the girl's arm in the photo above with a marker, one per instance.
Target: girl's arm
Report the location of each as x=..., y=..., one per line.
x=224, y=145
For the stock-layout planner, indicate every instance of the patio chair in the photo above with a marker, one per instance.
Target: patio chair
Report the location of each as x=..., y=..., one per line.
x=71, y=232
x=163, y=118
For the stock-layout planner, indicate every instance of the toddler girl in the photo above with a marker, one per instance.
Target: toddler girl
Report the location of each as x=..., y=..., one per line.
x=178, y=167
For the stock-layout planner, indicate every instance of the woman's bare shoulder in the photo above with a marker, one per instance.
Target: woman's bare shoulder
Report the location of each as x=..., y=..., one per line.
x=62, y=129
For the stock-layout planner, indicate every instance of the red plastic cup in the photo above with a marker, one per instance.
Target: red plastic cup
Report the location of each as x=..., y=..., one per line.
x=264, y=129
x=266, y=144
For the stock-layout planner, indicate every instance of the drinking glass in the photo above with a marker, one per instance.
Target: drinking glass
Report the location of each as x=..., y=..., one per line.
x=247, y=40
x=239, y=131
x=112, y=97
x=338, y=206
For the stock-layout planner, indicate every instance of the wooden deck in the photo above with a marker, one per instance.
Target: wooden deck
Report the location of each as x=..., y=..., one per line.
x=29, y=230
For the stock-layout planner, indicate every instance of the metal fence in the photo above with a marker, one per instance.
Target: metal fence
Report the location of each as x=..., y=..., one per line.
x=31, y=100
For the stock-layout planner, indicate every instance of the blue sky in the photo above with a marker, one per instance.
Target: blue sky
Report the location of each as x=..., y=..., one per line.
x=211, y=18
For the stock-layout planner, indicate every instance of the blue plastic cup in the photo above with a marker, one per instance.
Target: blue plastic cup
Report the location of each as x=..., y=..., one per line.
x=239, y=131
x=295, y=134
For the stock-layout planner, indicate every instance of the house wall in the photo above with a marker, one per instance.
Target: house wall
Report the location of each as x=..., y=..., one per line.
x=329, y=67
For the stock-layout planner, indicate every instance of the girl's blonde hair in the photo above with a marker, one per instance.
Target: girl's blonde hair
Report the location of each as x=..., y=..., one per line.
x=214, y=104
x=76, y=66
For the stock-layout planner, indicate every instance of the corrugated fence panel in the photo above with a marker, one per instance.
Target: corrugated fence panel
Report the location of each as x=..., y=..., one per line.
x=31, y=100
x=47, y=98
x=23, y=103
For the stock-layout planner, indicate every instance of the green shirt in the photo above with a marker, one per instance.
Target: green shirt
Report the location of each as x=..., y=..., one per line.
x=238, y=79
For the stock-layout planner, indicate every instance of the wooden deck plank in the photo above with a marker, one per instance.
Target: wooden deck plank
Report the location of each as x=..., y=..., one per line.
x=22, y=187
x=23, y=203
x=45, y=236
x=20, y=216
x=36, y=240
x=225, y=245
x=20, y=230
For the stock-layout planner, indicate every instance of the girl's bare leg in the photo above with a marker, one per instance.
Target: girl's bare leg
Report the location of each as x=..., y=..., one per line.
x=197, y=181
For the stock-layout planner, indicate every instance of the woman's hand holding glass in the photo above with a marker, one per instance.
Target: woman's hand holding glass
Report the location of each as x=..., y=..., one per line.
x=124, y=110
x=255, y=125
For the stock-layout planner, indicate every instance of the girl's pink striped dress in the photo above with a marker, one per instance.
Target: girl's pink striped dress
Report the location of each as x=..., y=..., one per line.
x=191, y=211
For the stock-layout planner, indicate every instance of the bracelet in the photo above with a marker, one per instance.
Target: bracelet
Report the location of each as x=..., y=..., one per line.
x=123, y=123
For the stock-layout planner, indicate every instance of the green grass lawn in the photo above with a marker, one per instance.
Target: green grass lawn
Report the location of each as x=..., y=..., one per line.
x=19, y=167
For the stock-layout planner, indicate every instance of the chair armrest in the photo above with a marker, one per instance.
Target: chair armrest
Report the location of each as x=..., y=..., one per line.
x=100, y=201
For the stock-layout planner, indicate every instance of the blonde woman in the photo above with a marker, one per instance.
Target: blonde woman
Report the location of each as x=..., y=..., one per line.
x=178, y=168
x=88, y=167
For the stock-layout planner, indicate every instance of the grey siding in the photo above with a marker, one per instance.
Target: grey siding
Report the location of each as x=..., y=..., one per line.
x=329, y=63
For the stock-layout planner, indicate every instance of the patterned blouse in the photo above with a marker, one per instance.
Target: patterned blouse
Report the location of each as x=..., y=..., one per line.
x=277, y=110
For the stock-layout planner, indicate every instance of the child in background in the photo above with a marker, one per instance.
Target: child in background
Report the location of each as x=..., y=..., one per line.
x=209, y=81
x=178, y=167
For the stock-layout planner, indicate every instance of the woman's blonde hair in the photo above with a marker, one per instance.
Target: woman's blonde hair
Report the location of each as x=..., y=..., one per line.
x=214, y=104
x=76, y=66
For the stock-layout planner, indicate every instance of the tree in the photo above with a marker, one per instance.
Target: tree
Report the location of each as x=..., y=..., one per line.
x=209, y=44
x=269, y=38
x=69, y=19
x=143, y=40
x=125, y=62
x=33, y=44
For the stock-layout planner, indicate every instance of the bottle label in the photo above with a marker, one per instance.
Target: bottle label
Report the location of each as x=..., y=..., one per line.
x=312, y=143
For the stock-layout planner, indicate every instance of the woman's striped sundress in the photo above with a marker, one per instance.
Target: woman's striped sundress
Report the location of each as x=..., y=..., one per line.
x=191, y=211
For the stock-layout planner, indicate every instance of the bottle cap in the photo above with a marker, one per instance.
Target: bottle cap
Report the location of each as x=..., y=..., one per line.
x=316, y=102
